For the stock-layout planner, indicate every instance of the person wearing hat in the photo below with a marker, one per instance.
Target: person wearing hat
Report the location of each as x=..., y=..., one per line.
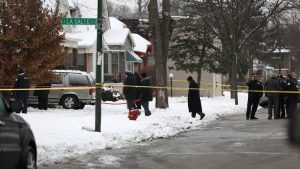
x=194, y=102
x=22, y=82
x=272, y=85
x=253, y=97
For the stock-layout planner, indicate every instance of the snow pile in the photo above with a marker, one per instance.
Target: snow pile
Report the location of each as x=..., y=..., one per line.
x=61, y=133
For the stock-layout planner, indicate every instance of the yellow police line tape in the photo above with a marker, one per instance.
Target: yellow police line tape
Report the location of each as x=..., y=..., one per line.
x=99, y=85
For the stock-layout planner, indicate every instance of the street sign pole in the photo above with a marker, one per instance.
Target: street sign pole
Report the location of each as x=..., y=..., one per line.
x=99, y=56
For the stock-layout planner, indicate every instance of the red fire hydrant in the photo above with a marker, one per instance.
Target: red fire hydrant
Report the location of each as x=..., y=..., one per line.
x=133, y=114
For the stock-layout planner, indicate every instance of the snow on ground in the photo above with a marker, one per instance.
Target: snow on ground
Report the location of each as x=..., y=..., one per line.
x=62, y=133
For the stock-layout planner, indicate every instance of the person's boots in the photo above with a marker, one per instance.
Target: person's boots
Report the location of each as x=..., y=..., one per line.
x=202, y=116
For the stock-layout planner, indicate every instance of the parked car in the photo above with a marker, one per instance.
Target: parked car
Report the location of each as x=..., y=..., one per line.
x=17, y=143
x=69, y=98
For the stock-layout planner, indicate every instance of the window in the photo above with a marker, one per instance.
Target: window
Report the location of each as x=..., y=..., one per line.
x=115, y=64
x=128, y=66
x=58, y=80
x=80, y=62
x=78, y=80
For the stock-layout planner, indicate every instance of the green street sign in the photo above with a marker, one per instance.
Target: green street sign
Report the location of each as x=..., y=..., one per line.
x=275, y=57
x=78, y=21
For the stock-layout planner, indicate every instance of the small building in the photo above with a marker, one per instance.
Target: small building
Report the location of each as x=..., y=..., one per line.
x=283, y=61
x=120, y=57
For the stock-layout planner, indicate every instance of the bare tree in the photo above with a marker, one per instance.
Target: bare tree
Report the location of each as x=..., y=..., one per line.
x=160, y=34
x=235, y=22
x=142, y=6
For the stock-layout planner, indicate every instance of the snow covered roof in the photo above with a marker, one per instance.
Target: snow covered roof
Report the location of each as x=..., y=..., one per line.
x=85, y=39
x=116, y=24
x=117, y=36
x=141, y=43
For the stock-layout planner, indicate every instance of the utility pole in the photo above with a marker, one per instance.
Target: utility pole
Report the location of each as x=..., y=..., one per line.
x=99, y=56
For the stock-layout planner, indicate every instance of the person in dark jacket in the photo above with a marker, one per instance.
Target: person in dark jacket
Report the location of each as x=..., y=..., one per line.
x=272, y=85
x=130, y=92
x=138, y=92
x=42, y=95
x=194, y=102
x=253, y=97
x=146, y=93
x=291, y=103
x=282, y=101
x=22, y=82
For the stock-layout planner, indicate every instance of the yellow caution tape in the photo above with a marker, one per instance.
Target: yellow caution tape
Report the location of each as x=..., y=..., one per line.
x=100, y=85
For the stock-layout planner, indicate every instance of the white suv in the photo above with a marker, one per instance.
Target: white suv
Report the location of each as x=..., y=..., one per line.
x=69, y=98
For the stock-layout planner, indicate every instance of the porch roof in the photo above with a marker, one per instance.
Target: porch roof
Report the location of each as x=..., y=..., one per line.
x=132, y=57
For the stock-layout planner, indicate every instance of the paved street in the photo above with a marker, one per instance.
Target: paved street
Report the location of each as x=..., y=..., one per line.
x=230, y=142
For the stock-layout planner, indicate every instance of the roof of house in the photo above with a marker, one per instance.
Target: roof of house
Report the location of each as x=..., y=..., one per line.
x=141, y=43
x=85, y=39
x=116, y=24
x=117, y=36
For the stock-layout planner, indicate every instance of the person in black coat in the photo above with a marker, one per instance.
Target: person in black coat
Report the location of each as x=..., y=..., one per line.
x=138, y=92
x=22, y=82
x=146, y=93
x=291, y=102
x=194, y=102
x=130, y=92
x=282, y=101
x=42, y=95
x=253, y=97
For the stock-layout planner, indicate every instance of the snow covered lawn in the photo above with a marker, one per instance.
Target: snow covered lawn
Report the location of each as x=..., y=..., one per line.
x=61, y=133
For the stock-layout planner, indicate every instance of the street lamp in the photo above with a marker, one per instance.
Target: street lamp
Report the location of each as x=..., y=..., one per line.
x=171, y=79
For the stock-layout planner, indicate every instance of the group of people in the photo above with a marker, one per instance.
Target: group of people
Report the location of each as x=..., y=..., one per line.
x=137, y=96
x=140, y=96
x=281, y=92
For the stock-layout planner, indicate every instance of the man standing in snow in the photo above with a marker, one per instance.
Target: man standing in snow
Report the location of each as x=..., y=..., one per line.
x=272, y=85
x=253, y=97
x=146, y=94
x=129, y=91
x=194, y=101
x=22, y=82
